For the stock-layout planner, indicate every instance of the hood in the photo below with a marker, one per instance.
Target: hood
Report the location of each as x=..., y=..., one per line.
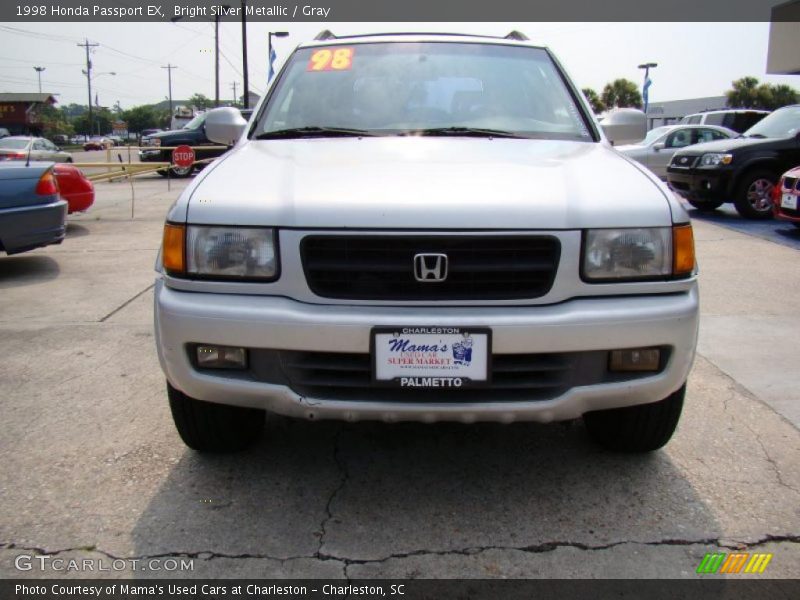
x=162, y=134
x=427, y=183
x=730, y=145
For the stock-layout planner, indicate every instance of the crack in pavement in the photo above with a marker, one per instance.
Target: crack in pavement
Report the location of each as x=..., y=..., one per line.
x=775, y=468
x=544, y=547
x=323, y=528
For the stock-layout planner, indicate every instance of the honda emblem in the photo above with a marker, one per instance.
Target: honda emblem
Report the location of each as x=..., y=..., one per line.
x=430, y=267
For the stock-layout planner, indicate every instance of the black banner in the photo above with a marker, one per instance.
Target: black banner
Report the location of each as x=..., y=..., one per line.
x=415, y=589
x=397, y=11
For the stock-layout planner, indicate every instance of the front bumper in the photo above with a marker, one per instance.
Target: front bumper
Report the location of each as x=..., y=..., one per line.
x=185, y=318
x=701, y=184
x=27, y=227
x=154, y=155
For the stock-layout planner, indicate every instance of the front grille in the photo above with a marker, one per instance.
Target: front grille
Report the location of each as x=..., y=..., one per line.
x=514, y=377
x=373, y=267
x=678, y=161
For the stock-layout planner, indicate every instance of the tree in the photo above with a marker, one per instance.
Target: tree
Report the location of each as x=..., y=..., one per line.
x=200, y=102
x=141, y=117
x=747, y=93
x=744, y=93
x=621, y=93
x=594, y=100
x=101, y=122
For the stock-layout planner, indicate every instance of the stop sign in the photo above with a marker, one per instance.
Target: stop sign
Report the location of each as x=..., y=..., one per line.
x=183, y=156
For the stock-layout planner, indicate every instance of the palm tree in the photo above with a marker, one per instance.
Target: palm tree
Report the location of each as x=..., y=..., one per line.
x=594, y=100
x=744, y=93
x=622, y=93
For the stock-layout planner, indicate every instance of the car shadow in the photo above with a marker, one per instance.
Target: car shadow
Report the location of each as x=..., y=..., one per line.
x=27, y=269
x=366, y=491
x=75, y=230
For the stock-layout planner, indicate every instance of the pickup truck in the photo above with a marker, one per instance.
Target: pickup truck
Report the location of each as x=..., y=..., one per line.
x=192, y=134
x=420, y=227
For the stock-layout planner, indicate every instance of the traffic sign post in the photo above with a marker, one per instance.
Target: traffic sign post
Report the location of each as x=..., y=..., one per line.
x=183, y=156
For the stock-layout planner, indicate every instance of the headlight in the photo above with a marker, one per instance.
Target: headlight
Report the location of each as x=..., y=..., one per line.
x=617, y=254
x=715, y=159
x=231, y=252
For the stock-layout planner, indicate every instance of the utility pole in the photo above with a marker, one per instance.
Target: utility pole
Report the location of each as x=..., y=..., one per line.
x=246, y=103
x=169, y=68
x=39, y=73
x=233, y=85
x=216, y=60
x=88, y=73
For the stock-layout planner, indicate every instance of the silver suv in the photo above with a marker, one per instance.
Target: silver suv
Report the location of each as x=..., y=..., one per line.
x=424, y=228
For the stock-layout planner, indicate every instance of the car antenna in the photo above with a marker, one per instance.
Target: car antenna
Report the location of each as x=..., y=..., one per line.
x=28, y=160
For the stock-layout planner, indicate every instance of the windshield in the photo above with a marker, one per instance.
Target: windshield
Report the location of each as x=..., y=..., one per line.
x=14, y=144
x=410, y=87
x=196, y=122
x=784, y=122
x=653, y=135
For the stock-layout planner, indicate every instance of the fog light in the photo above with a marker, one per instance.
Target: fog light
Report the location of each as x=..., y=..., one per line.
x=635, y=359
x=221, y=357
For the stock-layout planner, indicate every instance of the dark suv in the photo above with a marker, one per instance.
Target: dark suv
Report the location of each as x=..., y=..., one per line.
x=742, y=170
x=192, y=134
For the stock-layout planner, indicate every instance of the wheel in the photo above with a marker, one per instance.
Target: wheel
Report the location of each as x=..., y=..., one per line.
x=210, y=427
x=181, y=172
x=753, y=198
x=641, y=428
x=705, y=205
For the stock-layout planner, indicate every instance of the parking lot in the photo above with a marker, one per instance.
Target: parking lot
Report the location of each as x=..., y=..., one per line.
x=91, y=465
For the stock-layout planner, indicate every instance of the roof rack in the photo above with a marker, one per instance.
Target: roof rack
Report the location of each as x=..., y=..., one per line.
x=326, y=34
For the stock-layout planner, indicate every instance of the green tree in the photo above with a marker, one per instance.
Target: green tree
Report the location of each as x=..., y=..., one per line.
x=141, y=117
x=621, y=93
x=54, y=121
x=783, y=95
x=747, y=93
x=101, y=122
x=744, y=93
x=594, y=100
x=200, y=102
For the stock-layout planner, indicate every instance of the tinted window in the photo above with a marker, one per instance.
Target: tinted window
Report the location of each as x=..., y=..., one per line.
x=408, y=86
x=784, y=122
x=716, y=118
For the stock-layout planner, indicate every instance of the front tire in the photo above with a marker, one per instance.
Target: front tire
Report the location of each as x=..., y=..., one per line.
x=210, y=427
x=705, y=205
x=641, y=428
x=754, y=194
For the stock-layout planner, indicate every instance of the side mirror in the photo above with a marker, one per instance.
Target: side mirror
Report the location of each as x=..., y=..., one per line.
x=224, y=125
x=658, y=147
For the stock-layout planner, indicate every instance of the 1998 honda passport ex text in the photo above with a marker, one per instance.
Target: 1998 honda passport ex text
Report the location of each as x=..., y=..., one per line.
x=425, y=228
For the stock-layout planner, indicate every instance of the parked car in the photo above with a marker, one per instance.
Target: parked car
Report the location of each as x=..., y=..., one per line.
x=116, y=140
x=74, y=188
x=146, y=132
x=740, y=120
x=60, y=139
x=19, y=147
x=656, y=149
x=428, y=228
x=192, y=134
x=785, y=196
x=31, y=212
x=98, y=142
x=743, y=170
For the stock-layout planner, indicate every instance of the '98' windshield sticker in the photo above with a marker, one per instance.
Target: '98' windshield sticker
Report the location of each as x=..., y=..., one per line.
x=325, y=59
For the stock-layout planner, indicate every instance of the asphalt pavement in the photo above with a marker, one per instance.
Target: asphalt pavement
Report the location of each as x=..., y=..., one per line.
x=91, y=466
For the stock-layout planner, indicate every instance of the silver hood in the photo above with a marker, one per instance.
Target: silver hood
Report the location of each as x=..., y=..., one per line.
x=425, y=183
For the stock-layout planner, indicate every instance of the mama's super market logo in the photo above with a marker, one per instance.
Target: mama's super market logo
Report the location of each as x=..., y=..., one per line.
x=733, y=563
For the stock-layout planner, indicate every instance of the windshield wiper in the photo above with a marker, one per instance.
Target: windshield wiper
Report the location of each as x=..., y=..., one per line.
x=313, y=131
x=463, y=131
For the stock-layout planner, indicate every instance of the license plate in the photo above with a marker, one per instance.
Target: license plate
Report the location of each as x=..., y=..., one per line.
x=431, y=357
x=789, y=201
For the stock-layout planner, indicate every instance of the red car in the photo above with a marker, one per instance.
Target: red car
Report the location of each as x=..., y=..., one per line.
x=785, y=197
x=98, y=143
x=74, y=187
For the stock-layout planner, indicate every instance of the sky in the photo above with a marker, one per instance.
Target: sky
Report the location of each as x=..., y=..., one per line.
x=694, y=59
